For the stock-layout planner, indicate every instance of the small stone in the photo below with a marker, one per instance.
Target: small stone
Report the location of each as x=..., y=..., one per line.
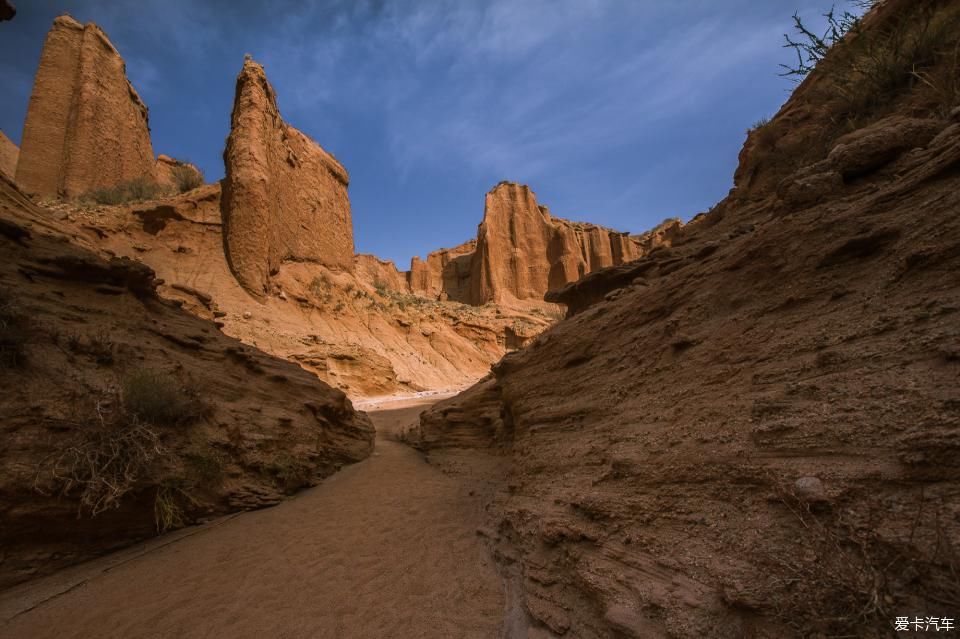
x=811, y=490
x=247, y=315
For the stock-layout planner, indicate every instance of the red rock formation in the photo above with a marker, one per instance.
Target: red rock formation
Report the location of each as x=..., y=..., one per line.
x=284, y=197
x=445, y=274
x=248, y=428
x=750, y=432
x=522, y=251
x=174, y=174
x=380, y=273
x=86, y=127
x=8, y=156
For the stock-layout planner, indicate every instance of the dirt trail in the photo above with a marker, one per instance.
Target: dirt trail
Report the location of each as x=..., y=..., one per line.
x=384, y=548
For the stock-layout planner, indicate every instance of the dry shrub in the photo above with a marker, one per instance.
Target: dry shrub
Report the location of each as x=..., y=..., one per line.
x=186, y=177
x=98, y=346
x=113, y=452
x=844, y=579
x=918, y=49
x=168, y=509
x=136, y=190
x=158, y=398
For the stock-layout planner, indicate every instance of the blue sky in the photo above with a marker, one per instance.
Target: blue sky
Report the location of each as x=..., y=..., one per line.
x=618, y=112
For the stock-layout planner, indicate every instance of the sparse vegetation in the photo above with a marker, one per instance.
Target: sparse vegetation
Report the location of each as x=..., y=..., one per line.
x=206, y=465
x=844, y=577
x=136, y=190
x=291, y=472
x=380, y=287
x=158, y=398
x=870, y=68
x=98, y=346
x=167, y=509
x=186, y=177
x=113, y=451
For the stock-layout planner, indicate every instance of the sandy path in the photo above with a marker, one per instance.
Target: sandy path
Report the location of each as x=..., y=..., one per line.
x=384, y=548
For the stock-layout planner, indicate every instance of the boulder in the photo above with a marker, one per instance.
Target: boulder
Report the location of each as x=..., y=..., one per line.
x=284, y=197
x=86, y=126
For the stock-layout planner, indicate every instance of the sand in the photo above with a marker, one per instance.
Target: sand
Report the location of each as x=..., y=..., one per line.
x=385, y=548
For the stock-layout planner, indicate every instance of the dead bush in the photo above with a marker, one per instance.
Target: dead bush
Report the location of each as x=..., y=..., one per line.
x=843, y=578
x=186, y=177
x=112, y=453
x=136, y=190
x=158, y=398
x=168, y=505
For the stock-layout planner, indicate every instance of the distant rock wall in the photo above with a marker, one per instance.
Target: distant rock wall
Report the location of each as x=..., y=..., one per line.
x=86, y=126
x=380, y=273
x=284, y=197
x=445, y=274
x=8, y=156
x=521, y=252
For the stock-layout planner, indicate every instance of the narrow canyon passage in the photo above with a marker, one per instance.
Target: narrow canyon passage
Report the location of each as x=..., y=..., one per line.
x=384, y=548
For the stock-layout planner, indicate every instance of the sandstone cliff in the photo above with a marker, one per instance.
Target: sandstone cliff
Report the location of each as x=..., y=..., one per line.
x=521, y=252
x=752, y=432
x=122, y=415
x=86, y=127
x=363, y=331
x=445, y=274
x=177, y=176
x=8, y=156
x=284, y=197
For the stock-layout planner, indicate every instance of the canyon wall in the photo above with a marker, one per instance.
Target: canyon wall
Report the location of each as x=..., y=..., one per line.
x=521, y=252
x=8, y=156
x=284, y=197
x=123, y=415
x=86, y=127
x=752, y=432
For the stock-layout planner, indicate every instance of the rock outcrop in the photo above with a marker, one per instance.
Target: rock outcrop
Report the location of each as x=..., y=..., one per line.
x=8, y=156
x=284, y=197
x=86, y=126
x=445, y=274
x=122, y=414
x=381, y=274
x=521, y=252
x=752, y=432
x=175, y=175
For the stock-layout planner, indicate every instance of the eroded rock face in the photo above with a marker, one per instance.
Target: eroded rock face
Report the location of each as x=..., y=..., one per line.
x=759, y=402
x=380, y=273
x=86, y=126
x=8, y=156
x=522, y=251
x=284, y=197
x=248, y=428
x=445, y=274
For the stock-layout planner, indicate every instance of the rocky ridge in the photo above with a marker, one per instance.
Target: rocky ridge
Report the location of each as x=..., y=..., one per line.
x=751, y=432
x=123, y=415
